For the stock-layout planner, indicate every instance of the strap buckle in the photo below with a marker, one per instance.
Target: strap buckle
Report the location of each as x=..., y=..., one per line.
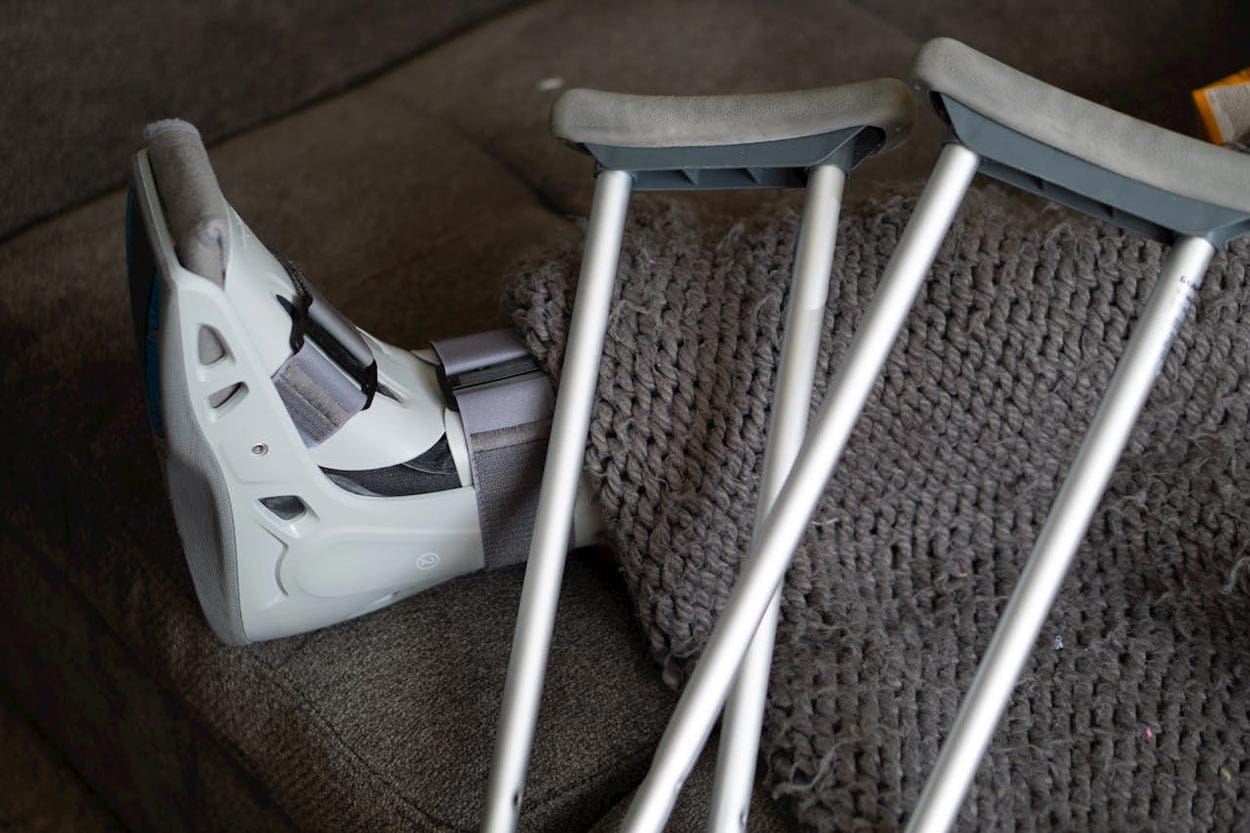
x=451, y=385
x=480, y=360
x=311, y=316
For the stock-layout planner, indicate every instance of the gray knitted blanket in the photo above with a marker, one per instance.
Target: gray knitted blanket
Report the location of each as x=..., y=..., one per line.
x=1133, y=712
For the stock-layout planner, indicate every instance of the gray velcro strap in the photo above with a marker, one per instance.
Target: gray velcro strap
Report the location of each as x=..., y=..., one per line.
x=317, y=395
x=507, y=420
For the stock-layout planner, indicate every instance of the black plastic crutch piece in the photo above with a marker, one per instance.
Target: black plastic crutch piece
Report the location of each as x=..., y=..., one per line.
x=658, y=143
x=1080, y=154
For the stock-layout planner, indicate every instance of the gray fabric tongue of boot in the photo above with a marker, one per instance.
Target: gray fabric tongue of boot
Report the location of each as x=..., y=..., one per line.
x=319, y=398
x=194, y=207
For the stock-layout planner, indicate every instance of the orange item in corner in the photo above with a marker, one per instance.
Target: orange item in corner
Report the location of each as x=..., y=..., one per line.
x=1222, y=106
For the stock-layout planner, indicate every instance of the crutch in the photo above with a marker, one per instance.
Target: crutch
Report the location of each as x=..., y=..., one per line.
x=1169, y=187
x=1029, y=134
x=648, y=143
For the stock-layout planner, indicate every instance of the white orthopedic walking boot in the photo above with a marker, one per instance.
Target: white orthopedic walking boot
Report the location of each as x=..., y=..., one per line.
x=316, y=473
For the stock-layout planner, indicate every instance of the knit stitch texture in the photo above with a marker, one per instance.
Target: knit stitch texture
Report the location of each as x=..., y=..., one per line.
x=1133, y=712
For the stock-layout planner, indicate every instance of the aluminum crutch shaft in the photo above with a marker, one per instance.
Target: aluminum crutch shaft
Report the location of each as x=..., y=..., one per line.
x=570, y=425
x=1069, y=518
x=809, y=289
x=767, y=562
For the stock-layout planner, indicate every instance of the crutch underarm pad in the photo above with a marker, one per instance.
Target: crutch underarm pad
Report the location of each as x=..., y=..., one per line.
x=643, y=121
x=1136, y=150
x=768, y=140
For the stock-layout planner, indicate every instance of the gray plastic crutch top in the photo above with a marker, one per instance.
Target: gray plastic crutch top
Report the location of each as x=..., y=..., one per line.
x=1105, y=163
x=763, y=140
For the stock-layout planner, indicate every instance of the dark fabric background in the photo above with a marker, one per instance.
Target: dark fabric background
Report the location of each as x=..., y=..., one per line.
x=81, y=79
